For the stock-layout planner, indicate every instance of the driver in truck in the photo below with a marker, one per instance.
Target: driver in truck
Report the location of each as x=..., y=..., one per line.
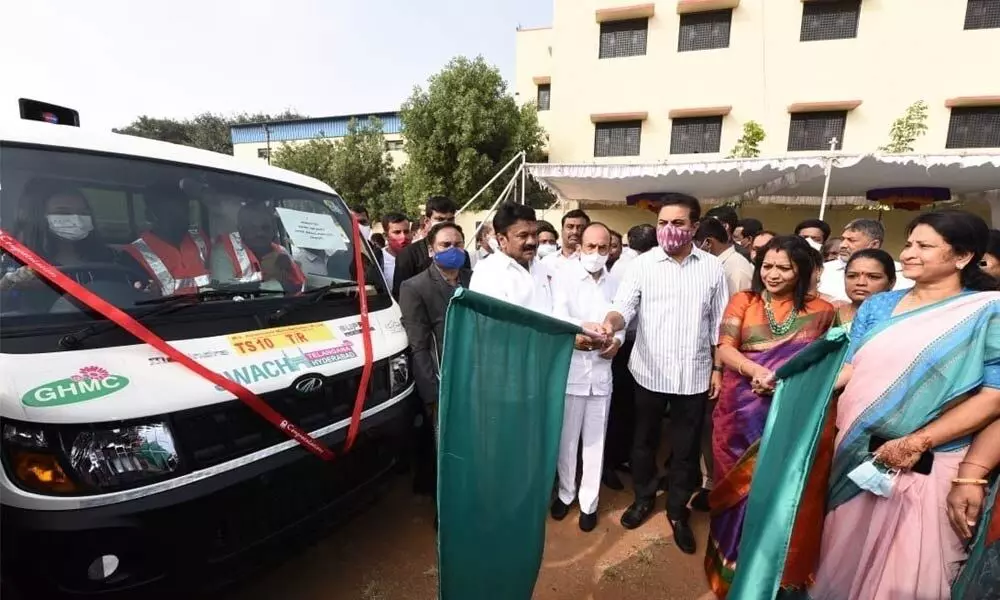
x=57, y=220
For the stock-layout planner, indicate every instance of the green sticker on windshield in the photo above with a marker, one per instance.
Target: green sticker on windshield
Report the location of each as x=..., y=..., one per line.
x=89, y=384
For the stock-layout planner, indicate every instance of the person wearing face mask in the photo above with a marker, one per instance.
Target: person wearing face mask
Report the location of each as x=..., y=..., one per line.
x=175, y=257
x=678, y=294
x=397, y=237
x=514, y=274
x=486, y=243
x=415, y=258
x=360, y=213
x=582, y=292
x=548, y=240
x=423, y=301
x=573, y=224
x=59, y=227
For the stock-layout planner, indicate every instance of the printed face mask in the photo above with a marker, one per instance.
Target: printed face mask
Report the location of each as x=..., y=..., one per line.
x=869, y=476
x=593, y=262
x=70, y=227
x=673, y=238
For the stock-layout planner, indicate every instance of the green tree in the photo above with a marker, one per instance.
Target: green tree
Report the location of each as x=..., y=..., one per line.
x=906, y=129
x=208, y=131
x=357, y=165
x=461, y=130
x=748, y=146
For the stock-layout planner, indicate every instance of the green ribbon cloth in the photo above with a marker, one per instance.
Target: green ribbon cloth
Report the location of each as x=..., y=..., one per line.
x=787, y=451
x=503, y=385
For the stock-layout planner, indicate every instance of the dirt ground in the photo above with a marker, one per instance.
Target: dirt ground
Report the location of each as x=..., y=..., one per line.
x=388, y=553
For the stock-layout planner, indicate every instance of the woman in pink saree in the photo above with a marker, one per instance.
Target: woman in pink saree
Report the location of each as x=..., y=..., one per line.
x=922, y=379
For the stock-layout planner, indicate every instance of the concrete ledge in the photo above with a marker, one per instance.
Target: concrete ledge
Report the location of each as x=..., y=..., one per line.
x=615, y=117
x=541, y=79
x=622, y=13
x=966, y=101
x=806, y=107
x=695, y=6
x=703, y=111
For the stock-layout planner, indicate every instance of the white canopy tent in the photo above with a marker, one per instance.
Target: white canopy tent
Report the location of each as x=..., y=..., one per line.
x=968, y=176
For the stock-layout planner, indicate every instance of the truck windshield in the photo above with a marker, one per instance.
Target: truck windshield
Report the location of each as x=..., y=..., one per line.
x=135, y=230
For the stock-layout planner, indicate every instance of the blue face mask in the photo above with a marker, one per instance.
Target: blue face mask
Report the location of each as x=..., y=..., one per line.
x=873, y=478
x=452, y=258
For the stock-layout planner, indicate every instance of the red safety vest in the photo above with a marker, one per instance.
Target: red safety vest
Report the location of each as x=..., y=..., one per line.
x=177, y=270
x=246, y=267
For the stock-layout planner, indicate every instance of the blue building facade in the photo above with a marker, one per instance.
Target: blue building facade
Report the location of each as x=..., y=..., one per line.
x=305, y=129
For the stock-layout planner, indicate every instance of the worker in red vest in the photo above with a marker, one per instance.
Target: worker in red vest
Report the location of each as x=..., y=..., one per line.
x=258, y=232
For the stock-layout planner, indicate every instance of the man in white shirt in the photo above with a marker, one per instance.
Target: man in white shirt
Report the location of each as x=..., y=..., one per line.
x=858, y=235
x=573, y=224
x=712, y=237
x=582, y=292
x=678, y=293
x=512, y=274
x=396, y=228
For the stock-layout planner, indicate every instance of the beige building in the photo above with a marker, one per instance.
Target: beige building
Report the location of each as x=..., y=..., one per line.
x=255, y=141
x=618, y=81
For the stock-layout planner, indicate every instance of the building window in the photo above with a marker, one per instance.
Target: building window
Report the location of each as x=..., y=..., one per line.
x=836, y=20
x=982, y=14
x=617, y=139
x=697, y=135
x=394, y=145
x=974, y=127
x=814, y=130
x=705, y=30
x=544, y=96
x=263, y=153
x=623, y=38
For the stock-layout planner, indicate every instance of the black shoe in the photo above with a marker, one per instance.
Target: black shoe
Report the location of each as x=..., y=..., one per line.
x=588, y=522
x=611, y=480
x=558, y=510
x=637, y=514
x=700, y=501
x=683, y=536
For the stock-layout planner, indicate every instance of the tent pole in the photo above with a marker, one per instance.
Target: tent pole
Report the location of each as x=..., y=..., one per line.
x=826, y=184
x=490, y=182
x=500, y=198
x=524, y=174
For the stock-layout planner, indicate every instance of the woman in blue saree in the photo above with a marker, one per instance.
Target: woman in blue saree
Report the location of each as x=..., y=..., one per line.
x=923, y=372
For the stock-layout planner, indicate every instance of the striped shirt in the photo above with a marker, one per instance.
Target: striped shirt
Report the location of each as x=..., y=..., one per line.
x=679, y=308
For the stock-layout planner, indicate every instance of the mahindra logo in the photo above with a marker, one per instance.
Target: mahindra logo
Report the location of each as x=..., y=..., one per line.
x=310, y=384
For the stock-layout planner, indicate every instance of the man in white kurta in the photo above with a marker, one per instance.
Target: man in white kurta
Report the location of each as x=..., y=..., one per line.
x=514, y=274
x=583, y=292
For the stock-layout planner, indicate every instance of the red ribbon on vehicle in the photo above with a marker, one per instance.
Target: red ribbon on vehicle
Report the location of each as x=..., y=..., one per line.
x=366, y=337
x=40, y=266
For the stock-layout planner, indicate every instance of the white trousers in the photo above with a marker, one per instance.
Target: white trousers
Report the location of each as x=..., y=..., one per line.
x=584, y=417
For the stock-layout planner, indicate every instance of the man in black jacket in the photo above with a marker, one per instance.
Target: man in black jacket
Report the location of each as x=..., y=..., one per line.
x=415, y=258
x=423, y=300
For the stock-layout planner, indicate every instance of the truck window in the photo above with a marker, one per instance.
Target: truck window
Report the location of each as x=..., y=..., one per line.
x=134, y=230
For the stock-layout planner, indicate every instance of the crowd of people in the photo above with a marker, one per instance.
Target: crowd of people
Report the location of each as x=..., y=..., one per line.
x=690, y=319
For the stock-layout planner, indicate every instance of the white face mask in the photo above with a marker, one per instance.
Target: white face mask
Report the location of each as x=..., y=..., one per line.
x=70, y=227
x=593, y=262
x=546, y=250
x=366, y=231
x=493, y=244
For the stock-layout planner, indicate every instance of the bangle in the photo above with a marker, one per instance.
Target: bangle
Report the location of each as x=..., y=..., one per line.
x=967, y=481
x=969, y=462
x=717, y=368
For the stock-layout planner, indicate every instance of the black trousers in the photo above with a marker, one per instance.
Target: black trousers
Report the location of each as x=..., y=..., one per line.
x=621, y=415
x=687, y=415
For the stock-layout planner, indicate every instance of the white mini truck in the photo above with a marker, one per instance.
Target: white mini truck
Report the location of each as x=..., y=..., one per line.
x=124, y=471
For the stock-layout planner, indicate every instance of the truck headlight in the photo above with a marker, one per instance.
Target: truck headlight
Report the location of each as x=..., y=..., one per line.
x=399, y=374
x=32, y=462
x=124, y=456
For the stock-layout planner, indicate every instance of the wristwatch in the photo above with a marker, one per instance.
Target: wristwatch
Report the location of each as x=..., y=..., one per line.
x=717, y=368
